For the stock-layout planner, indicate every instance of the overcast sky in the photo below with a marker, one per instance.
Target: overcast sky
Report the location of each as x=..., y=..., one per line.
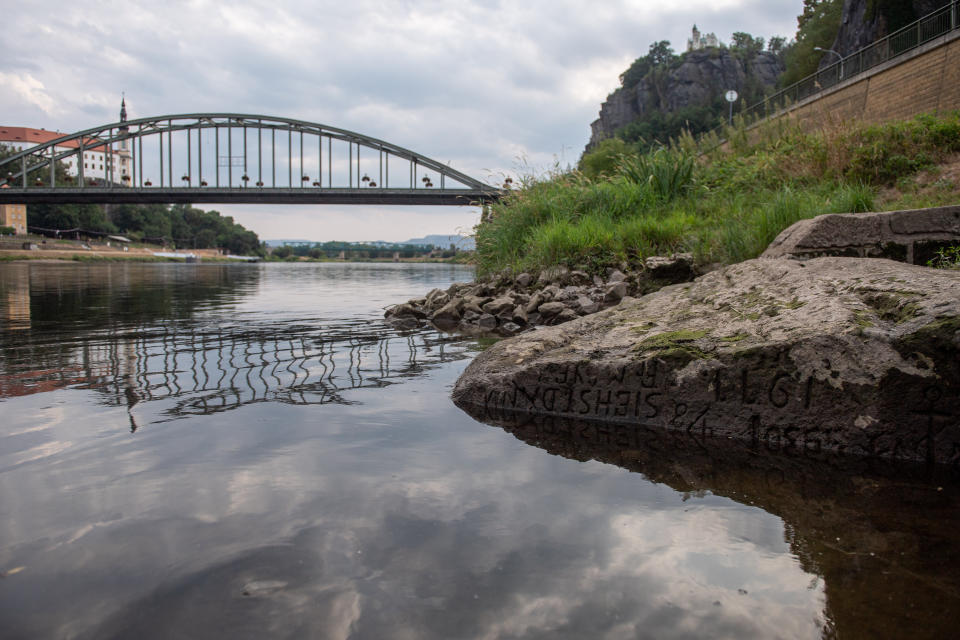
x=489, y=87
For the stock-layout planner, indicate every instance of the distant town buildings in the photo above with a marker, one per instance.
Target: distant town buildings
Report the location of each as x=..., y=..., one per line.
x=701, y=41
x=97, y=163
x=14, y=215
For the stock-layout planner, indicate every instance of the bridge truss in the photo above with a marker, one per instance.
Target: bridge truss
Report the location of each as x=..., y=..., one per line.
x=232, y=159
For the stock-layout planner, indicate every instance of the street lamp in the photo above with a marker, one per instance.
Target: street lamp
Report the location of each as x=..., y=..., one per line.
x=834, y=53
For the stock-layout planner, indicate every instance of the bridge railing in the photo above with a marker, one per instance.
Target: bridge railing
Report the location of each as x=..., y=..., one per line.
x=231, y=156
x=915, y=34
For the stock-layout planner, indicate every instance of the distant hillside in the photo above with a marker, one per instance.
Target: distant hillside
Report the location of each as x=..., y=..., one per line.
x=439, y=241
x=282, y=241
x=464, y=243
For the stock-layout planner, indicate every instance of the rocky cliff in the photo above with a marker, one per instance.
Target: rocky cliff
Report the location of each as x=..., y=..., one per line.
x=698, y=79
x=864, y=21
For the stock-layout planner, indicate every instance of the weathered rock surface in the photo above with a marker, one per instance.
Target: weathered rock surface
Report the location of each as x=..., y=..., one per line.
x=912, y=236
x=832, y=354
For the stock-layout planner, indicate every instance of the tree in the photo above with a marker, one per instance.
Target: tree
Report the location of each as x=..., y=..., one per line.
x=747, y=43
x=604, y=158
x=53, y=216
x=776, y=44
x=659, y=55
x=89, y=217
x=657, y=128
x=817, y=26
x=33, y=174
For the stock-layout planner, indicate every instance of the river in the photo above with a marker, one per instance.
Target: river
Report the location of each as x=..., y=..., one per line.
x=249, y=451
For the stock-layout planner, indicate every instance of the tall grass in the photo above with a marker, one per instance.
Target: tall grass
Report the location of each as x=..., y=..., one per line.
x=725, y=206
x=664, y=175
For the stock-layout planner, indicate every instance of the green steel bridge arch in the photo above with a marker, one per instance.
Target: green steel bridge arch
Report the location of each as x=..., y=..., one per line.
x=231, y=158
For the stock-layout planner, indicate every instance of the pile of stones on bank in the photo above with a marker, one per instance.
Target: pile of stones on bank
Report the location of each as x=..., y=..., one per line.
x=508, y=304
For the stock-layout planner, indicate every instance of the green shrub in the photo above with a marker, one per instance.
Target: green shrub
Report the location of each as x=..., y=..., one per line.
x=851, y=198
x=666, y=175
x=724, y=206
x=604, y=158
x=883, y=153
x=946, y=258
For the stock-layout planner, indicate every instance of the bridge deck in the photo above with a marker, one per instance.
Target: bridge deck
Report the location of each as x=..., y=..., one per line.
x=245, y=195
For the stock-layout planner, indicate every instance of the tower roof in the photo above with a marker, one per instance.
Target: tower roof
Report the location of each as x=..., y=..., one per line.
x=123, y=114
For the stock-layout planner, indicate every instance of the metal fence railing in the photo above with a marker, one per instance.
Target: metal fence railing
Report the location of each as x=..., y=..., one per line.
x=915, y=34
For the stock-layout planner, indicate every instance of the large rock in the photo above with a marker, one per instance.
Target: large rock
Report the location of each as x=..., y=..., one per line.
x=404, y=310
x=499, y=306
x=524, y=280
x=437, y=298
x=833, y=354
x=448, y=316
x=614, y=292
x=551, y=309
x=912, y=236
x=675, y=268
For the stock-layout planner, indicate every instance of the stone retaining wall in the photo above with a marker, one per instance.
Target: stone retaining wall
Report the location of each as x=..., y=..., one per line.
x=912, y=236
x=926, y=80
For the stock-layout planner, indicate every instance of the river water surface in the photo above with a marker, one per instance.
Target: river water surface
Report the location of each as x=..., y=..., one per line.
x=219, y=451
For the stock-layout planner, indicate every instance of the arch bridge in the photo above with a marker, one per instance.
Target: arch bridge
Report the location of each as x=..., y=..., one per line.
x=230, y=158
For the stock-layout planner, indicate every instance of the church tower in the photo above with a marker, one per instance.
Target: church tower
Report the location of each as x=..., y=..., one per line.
x=123, y=114
x=123, y=159
x=693, y=43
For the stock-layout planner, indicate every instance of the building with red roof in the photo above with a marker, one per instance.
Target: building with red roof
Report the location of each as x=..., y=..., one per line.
x=96, y=160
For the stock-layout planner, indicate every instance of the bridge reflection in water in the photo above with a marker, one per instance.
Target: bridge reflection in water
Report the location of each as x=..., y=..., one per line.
x=162, y=375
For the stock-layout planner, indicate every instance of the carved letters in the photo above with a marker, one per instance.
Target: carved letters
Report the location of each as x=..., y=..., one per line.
x=763, y=403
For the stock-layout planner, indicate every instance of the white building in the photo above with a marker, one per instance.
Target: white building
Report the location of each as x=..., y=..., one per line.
x=96, y=161
x=701, y=41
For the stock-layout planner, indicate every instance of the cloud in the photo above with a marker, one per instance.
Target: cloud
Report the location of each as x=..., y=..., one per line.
x=26, y=90
x=477, y=84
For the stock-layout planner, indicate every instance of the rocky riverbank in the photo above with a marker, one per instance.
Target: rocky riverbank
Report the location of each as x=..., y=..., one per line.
x=510, y=304
x=793, y=350
x=847, y=355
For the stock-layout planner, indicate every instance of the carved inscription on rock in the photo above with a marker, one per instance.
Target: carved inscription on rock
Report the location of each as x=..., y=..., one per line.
x=764, y=402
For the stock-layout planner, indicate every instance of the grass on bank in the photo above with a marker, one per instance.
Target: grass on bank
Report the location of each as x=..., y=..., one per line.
x=724, y=206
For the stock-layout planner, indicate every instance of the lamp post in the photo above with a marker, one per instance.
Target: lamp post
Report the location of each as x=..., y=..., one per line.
x=834, y=53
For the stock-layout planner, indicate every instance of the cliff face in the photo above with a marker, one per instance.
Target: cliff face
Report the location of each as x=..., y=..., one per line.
x=864, y=21
x=698, y=80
